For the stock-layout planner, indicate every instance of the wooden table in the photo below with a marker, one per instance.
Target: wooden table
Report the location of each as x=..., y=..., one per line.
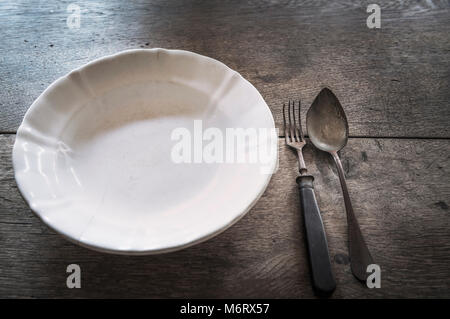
x=393, y=83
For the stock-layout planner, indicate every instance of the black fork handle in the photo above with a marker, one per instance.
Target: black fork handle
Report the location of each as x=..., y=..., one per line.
x=319, y=258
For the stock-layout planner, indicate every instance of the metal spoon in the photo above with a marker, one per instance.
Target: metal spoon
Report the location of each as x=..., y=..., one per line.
x=328, y=130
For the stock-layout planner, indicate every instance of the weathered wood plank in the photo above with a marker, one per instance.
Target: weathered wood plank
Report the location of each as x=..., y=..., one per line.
x=392, y=81
x=400, y=191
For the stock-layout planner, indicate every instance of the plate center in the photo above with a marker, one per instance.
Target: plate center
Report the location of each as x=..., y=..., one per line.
x=115, y=154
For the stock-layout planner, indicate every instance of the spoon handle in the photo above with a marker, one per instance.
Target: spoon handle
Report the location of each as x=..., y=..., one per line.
x=360, y=256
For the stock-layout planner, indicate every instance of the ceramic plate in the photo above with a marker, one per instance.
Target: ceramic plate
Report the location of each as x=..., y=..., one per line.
x=97, y=156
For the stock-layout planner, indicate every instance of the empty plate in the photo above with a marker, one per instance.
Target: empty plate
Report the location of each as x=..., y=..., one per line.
x=111, y=155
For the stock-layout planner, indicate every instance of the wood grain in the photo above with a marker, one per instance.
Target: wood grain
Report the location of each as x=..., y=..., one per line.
x=392, y=81
x=400, y=191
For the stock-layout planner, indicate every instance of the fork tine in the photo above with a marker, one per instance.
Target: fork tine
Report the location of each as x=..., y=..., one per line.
x=295, y=124
x=286, y=135
x=291, y=127
x=300, y=120
x=288, y=121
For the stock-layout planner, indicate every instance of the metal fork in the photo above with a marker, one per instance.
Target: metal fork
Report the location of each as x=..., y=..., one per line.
x=319, y=258
x=293, y=134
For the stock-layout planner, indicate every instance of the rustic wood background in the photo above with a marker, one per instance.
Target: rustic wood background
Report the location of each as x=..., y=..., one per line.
x=393, y=83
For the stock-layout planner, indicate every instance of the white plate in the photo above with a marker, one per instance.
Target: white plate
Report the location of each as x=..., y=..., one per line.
x=93, y=160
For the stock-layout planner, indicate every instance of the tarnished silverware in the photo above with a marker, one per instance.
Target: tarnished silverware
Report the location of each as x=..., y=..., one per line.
x=322, y=275
x=328, y=130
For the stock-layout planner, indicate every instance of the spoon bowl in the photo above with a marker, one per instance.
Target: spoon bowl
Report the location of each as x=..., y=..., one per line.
x=327, y=125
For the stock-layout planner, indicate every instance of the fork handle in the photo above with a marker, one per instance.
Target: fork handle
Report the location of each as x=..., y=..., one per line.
x=319, y=258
